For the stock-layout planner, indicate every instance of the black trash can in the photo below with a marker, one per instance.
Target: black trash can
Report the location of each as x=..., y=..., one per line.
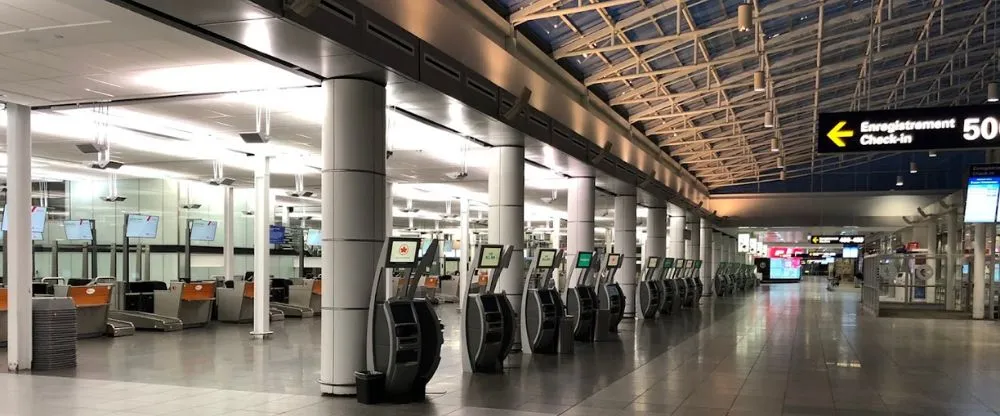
x=370, y=386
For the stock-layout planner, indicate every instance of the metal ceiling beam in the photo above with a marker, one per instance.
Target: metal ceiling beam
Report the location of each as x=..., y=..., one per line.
x=522, y=18
x=532, y=8
x=682, y=37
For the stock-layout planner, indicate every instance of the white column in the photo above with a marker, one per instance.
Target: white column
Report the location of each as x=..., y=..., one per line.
x=229, y=224
x=465, y=247
x=931, y=241
x=556, y=241
x=675, y=248
x=718, y=244
x=692, y=248
x=625, y=205
x=506, y=215
x=953, y=229
x=978, y=271
x=19, y=270
x=262, y=250
x=656, y=233
x=580, y=227
x=353, y=210
x=707, y=267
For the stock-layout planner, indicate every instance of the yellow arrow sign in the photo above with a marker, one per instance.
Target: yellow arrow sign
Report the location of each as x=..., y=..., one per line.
x=837, y=135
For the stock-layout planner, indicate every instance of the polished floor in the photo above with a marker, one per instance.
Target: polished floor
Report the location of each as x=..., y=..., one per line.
x=786, y=350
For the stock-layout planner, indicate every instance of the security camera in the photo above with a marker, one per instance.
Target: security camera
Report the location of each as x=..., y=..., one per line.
x=191, y=206
x=221, y=181
x=457, y=175
x=107, y=164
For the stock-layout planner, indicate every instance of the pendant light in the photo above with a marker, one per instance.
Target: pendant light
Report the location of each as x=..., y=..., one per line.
x=781, y=162
x=758, y=81
x=781, y=175
x=992, y=92
x=913, y=167
x=768, y=119
x=775, y=146
x=899, y=180
x=932, y=154
x=744, y=18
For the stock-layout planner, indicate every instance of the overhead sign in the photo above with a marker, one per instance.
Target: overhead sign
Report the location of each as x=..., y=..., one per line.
x=981, y=193
x=967, y=127
x=743, y=243
x=837, y=239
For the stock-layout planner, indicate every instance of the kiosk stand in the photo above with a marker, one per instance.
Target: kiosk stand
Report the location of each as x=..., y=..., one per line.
x=648, y=290
x=404, y=333
x=686, y=279
x=670, y=301
x=488, y=318
x=698, y=284
x=541, y=305
x=611, y=303
x=581, y=302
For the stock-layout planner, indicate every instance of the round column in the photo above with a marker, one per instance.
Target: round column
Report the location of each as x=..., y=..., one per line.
x=707, y=267
x=675, y=217
x=953, y=229
x=692, y=248
x=625, y=243
x=580, y=227
x=506, y=213
x=353, y=207
x=656, y=232
x=262, y=249
x=18, y=238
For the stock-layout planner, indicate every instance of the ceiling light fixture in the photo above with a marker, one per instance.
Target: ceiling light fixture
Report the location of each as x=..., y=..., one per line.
x=768, y=119
x=758, y=81
x=899, y=180
x=744, y=17
x=781, y=175
x=932, y=154
x=992, y=92
x=781, y=162
x=775, y=146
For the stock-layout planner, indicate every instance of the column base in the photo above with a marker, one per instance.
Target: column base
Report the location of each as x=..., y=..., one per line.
x=261, y=335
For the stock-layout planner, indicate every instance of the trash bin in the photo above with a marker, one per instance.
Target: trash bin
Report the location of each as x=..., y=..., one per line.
x=370, y=386
x=565, y=342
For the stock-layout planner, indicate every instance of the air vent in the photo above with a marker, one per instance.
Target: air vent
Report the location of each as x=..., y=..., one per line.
x=539, y=121
x=481, y=89
x=441, y=66
x=340, y=11
x=381, y=33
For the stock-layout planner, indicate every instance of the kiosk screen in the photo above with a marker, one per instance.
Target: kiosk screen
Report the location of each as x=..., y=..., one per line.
x=583, y=259
x=546, y=259
x=652, y=262
x=614, y=260
x=489, y=257
x=403, y=252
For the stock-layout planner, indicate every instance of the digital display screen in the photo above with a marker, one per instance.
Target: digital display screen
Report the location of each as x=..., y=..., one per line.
x=614, y=260
x=546, y=258
x=689, y=264
x=583, y=259
x=314, y=237
x=981, y=199
x=785, y=269
x=668, y=263
x=78, y=230
x=202, y=230
x=850, y=252
x=141, y=226
x=276, y=234
x=489, y=257
x=697, y=264
x=37, y=219
x=652, y=262
x=403, y=251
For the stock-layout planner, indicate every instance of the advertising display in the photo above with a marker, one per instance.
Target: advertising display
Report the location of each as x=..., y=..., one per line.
x=37, y=219
x=202, y=230
x=981, y=193
x=964, y=127
x=785, y=269
x=743, y=243
x=141, y=226
x=78, y=230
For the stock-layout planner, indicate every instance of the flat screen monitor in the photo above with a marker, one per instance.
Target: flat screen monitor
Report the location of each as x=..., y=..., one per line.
x=981, y=193
x=489, y=257
x=37, y=219
x=403, y=251
x=583, y=259
x=78, y=230
x=202, y=230
x=314, y=237
x=141, y=226
x=546, y=259
x=276, y=234
x=614, y=260
x=652, y=262
x=785, y=269
x=850, y=252
x=689, y=264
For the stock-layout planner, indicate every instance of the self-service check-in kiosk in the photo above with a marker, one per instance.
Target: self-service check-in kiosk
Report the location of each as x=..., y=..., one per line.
x=610, y=299
x=581, y=300
x=698, y=283
x=541, y=305
x=722, y=279
x=685, y=276
x=648, y=289
x=488, y=318
x=670, y=292
x=677, y=276
x=404, y=332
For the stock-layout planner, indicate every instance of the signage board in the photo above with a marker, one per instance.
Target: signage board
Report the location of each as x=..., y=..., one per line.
x=964, y=127
x=742, y=243
x=981, y=193
x=836, y=239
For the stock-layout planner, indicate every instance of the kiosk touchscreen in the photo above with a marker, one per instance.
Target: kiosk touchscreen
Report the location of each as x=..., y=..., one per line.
x=487, y=317
x=541, y=305
x=581, y=300
x=404, y=333
x=648, y=291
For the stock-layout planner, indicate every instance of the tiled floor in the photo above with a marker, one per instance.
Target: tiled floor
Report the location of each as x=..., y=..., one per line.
x=786, y=350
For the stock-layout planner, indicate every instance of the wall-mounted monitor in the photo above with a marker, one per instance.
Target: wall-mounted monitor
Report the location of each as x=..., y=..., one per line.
x=202, y=230
x=583, y=259
x=37, y=219
x=141, y=226
x=78, y=230
x=276, y=234
x=652, y=262
x=614, y=260
x=489, y=257
x=546, y=258
x=314, y=237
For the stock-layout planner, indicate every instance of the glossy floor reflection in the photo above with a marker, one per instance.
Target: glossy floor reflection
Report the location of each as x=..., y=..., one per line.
x=785, y=350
